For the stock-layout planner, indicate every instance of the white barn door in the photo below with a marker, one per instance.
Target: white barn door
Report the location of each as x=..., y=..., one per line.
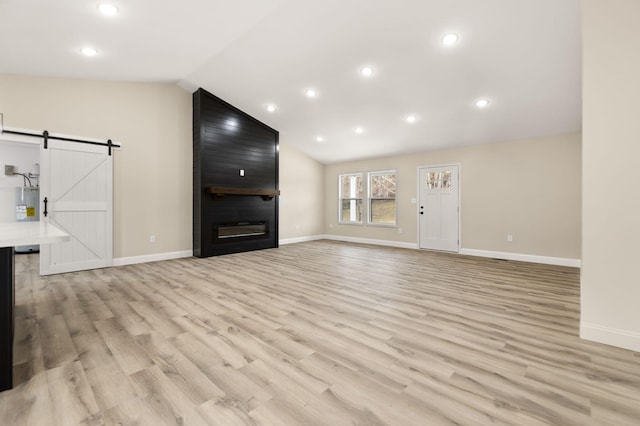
x=439, y=208
x=77, y=182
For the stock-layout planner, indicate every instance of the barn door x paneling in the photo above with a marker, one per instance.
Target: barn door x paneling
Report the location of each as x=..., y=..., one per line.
x=76, y=196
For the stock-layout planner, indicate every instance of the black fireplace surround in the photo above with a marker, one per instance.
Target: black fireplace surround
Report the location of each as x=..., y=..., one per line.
x=235, y=179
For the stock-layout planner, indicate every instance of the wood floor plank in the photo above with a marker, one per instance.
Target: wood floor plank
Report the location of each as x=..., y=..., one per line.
x=110, y=385
x=129, y=318
x=137, y=411
x=278, y=412
x=165, y=398
x=57, y=346
x=28, y=403
x=322, y=333
x=156, y=319
x=73, y=401
x=456, y=411
x=191, y=381
x=239, y=390
x=123, y=346
x=27, y=354
x=222, y=412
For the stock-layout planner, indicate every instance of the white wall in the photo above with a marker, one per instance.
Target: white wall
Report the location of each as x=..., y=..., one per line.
x=528, y=188
x=153, y=171
x=301, y=207
x=22, y=156
x=610, y=310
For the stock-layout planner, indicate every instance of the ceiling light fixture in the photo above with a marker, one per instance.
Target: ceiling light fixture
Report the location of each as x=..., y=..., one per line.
x=319, y=139
x=311, y=93
x=482, y=103
x=107, y=9
x=358, y=130
x=411, y=118
x=366, y=71
x=89, y=51
x=271, y=108
x=450, y=39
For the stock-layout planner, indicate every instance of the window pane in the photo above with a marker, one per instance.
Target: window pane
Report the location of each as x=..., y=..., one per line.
x=439, y=180
x=351, y=186
x=351, y=211
x=431, y=180
x=383, y=185
x=446, y=179
x=382, y=198
x=383, y=211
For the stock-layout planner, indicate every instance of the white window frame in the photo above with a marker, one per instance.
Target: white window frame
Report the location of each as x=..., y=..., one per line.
x=352, y=198
x=370, y=198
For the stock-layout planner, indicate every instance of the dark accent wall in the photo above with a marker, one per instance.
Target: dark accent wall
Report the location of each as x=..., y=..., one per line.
x=225, y=141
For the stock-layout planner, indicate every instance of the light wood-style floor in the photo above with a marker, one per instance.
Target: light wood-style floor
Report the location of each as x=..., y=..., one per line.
x=313, y=333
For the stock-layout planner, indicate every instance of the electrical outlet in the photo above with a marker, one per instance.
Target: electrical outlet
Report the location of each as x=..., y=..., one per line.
x=400, y=230
x=9, y=170
x=297, y=227
x=510, y=238
x=331, y=225
x=152, y=239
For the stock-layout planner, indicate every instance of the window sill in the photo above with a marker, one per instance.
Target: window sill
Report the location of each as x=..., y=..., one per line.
x=374, y=225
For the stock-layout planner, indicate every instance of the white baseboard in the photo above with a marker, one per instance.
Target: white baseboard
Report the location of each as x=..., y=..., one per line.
x=575, y=263
x=610, y=336
x=300, y=239
x=370, y=241
x=560, y=261
x=121, y=261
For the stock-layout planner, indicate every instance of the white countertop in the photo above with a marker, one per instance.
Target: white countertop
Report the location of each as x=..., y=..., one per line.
x=26, y=233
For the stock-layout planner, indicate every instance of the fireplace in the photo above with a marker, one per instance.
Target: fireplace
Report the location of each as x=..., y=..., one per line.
x=244, y=230
x=235, y=179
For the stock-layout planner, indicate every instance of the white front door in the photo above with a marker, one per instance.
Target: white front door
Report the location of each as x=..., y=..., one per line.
x=77, y=182
x=438, y=210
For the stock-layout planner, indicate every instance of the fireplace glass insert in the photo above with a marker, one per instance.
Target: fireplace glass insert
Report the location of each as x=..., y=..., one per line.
x=243, y=230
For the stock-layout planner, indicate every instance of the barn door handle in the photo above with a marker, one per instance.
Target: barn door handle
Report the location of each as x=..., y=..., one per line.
x=45, y=206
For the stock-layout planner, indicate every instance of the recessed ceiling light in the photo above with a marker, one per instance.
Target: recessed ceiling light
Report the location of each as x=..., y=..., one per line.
x=107, y=9
x=89, y=51
x=482, y=103
x=366, y=71
x=319, y=139
x=411, y=118
x=450, y=39
x=358, y=130
x=311, y=93
x=271, y=108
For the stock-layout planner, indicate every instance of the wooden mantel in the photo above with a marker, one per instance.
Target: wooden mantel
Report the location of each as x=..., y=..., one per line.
x=221, y=191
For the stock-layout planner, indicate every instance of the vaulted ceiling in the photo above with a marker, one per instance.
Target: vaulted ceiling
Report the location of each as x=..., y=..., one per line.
x=522, y=56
